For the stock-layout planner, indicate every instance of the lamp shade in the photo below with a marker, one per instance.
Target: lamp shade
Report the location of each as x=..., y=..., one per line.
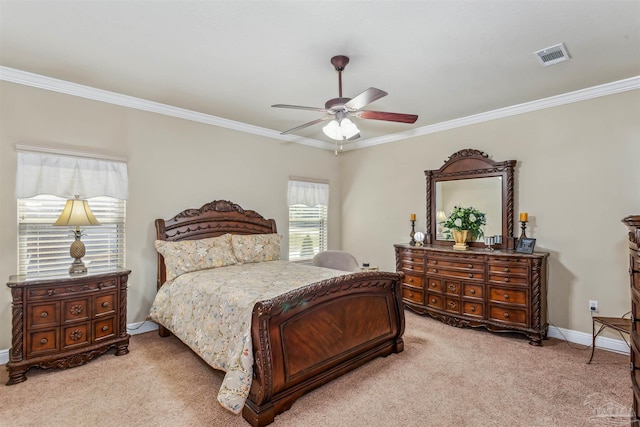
x=76, y=213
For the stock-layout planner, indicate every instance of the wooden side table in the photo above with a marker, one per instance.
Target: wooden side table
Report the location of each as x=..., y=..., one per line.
x=66, y=321
x=620, y=324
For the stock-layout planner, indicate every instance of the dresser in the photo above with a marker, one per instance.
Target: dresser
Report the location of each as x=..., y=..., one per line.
x=66, y=321
x=502, y=290
x=633, y=223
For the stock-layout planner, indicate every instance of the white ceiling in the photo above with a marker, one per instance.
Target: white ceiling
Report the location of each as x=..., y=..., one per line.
x=442, y=60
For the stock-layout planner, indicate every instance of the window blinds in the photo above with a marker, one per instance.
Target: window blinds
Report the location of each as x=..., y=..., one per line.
x=308, y=219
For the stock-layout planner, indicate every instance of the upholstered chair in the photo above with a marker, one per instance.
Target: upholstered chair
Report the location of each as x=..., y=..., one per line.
x=337, y=260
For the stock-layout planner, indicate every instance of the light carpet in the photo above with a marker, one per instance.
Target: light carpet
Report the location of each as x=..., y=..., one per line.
x=446, y=376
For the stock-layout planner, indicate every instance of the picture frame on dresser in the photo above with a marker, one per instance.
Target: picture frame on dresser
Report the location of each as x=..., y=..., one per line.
x=525, y=245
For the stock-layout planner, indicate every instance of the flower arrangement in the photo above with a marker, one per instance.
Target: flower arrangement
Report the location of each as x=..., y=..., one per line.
x=465, y=219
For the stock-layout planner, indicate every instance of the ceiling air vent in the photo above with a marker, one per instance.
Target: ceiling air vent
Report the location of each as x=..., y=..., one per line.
x=553, y=55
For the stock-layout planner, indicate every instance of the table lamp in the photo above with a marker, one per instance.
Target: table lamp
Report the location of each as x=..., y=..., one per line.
x=76, y=213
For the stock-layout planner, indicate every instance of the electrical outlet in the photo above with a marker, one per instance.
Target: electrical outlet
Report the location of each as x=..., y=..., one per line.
x=593, y=306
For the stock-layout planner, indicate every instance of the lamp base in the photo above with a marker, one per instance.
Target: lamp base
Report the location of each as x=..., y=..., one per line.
x=77, y=267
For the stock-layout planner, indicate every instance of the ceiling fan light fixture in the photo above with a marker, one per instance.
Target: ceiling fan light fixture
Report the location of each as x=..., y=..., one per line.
x=332, y=130
x=338, y=131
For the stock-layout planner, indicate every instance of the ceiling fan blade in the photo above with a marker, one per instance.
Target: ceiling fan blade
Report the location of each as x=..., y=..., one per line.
x=366, y=97
x=299, y=107
x=302, y=126
x=389, y=117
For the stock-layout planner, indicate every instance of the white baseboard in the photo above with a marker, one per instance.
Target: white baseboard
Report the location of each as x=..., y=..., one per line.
x=132, y=328
x=604, y=343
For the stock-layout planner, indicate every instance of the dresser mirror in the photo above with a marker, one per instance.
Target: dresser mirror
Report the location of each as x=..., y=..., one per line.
x=470, y=178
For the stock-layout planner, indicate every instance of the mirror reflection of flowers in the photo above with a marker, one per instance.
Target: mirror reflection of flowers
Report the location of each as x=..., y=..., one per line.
x=462, y=218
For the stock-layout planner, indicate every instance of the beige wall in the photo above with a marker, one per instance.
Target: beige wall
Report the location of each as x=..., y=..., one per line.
x=577, y=176
x=173, y=164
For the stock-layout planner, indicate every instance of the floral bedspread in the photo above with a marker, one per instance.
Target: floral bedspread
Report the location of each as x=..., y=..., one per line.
x=210, y=311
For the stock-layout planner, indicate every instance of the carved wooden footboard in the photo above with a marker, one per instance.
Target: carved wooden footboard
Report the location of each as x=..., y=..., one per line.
x=307, y=337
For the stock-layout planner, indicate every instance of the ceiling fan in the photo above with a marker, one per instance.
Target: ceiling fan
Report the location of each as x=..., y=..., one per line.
x=338, y=110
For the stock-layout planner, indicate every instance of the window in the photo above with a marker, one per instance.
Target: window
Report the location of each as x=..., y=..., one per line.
x=46, y=178
x=308, y=229
x=44, y=249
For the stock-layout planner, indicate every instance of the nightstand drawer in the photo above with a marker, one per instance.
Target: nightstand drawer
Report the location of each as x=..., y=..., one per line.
x=42, y=342
x=75, y=310
x=44, y=315
x=76, y=335
x=104, y=304
x=413, y=280
x=103, y=328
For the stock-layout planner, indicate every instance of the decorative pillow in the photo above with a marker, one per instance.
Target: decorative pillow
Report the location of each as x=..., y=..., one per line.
x=256, y=247
x=193, y=255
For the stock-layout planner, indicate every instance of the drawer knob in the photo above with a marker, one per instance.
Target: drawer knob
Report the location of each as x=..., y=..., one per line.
x=435, y=262
x=470, y=265
x=473, y=309
x=433, y=300
x=410, y=294
x=44, y=314
x=50, y=292
x=506, y=296
x=75, y=335
x=506, y=279
x=472, y=291
x=44, y=341
x=507, y=269
x=106, y=304
x=435, y=270
x=433, y=285
x=410, y=280
x=452, y=304
x=452, y=287
x=105, y=328
x=470, y=275
x=76, y=309
x=506, y=315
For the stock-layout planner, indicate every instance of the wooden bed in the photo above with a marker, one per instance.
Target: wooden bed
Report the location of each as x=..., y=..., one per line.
x=353, y=318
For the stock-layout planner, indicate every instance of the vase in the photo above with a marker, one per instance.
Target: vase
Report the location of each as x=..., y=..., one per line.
x=460, y=237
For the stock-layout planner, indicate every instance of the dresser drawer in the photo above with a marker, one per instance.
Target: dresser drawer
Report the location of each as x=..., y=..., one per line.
x=44, y=315
x=104, y=304
x=410, y=255
x=510, y=296
x=413, y=295
x=42, y=342
x=510, y=269
x=465, y=274
x=413, y=280
x=103, y=329
x=75, y=310
x=507, y=314
x=509, y=280
x=452, y=305
x=75, y=335
x=463, y=263
x=434, y=300
x=452, y=287
x=510, y=261
x=473, y=308
x=434, y=284
x=473, y=291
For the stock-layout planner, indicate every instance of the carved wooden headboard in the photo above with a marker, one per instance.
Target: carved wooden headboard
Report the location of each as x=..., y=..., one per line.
x=211, y=220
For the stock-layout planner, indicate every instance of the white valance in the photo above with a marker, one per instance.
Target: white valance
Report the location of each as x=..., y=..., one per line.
x=68, y=176
x=308, y=193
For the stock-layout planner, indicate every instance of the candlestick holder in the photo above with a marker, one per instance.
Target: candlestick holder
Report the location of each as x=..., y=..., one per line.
x=523, y=227
x=412, y=242
x=489, y=241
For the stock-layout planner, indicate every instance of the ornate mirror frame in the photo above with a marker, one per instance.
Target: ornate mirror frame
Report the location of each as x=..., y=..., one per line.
x=469, y=164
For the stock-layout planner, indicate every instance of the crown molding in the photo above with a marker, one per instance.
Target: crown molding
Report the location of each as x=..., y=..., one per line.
x=632, y=83
x=74, y=89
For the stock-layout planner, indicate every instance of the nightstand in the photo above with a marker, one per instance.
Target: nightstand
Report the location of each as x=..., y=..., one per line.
x=66, y=321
